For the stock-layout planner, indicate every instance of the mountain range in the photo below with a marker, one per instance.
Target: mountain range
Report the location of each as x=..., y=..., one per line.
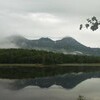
x=67, y=45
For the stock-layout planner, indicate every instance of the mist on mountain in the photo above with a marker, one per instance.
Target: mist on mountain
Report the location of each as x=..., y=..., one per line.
x=67, y=45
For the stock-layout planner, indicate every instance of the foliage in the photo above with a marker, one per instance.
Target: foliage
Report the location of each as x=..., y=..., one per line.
x=25, y=56
x=93, y=23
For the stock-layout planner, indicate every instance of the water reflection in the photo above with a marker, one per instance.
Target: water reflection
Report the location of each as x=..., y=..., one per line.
x=65, y=87
x=67, y=81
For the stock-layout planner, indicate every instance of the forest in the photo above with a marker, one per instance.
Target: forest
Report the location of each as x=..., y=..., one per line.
x=26, y=56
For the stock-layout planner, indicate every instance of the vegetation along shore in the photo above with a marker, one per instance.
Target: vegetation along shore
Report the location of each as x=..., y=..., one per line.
x=22, y=63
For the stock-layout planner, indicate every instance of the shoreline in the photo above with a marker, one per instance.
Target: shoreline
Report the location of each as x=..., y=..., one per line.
x=51, y=65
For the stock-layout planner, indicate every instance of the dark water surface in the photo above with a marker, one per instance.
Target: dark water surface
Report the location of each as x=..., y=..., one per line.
x=61, y=87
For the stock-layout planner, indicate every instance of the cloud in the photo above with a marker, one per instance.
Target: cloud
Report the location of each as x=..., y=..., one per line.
x=52, y=6
x=44, y=18
x=38, y=17
x=48, y=18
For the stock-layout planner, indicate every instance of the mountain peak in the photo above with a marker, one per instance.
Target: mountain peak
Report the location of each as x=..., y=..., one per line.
x=68, y=39
x=45, y=39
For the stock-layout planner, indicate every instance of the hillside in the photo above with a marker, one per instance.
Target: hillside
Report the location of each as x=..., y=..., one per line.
x=66, y=45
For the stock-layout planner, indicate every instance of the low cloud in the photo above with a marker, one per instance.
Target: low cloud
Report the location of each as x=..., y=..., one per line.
x=6, y=43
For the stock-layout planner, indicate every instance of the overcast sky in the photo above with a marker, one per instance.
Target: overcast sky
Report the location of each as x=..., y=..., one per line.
x=49, y=18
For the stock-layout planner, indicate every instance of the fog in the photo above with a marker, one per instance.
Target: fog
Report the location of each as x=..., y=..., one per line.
x=6, y=43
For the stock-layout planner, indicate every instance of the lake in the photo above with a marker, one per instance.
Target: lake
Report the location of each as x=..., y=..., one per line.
x=68, y=86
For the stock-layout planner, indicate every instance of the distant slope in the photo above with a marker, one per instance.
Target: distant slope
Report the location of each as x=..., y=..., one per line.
x=66, y=45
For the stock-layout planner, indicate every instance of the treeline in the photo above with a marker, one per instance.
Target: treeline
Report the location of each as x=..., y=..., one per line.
x=23, y=56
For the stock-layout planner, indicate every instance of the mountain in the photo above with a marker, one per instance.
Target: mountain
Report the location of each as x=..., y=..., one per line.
x=66, y=45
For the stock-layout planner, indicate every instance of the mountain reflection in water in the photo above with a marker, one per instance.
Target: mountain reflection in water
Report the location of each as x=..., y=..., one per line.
x=65, y=87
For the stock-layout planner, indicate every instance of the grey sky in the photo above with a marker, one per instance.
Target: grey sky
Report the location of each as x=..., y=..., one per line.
x=49, y=18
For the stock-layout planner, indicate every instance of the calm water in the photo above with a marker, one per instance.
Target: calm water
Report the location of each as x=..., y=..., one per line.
x=64, y=87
